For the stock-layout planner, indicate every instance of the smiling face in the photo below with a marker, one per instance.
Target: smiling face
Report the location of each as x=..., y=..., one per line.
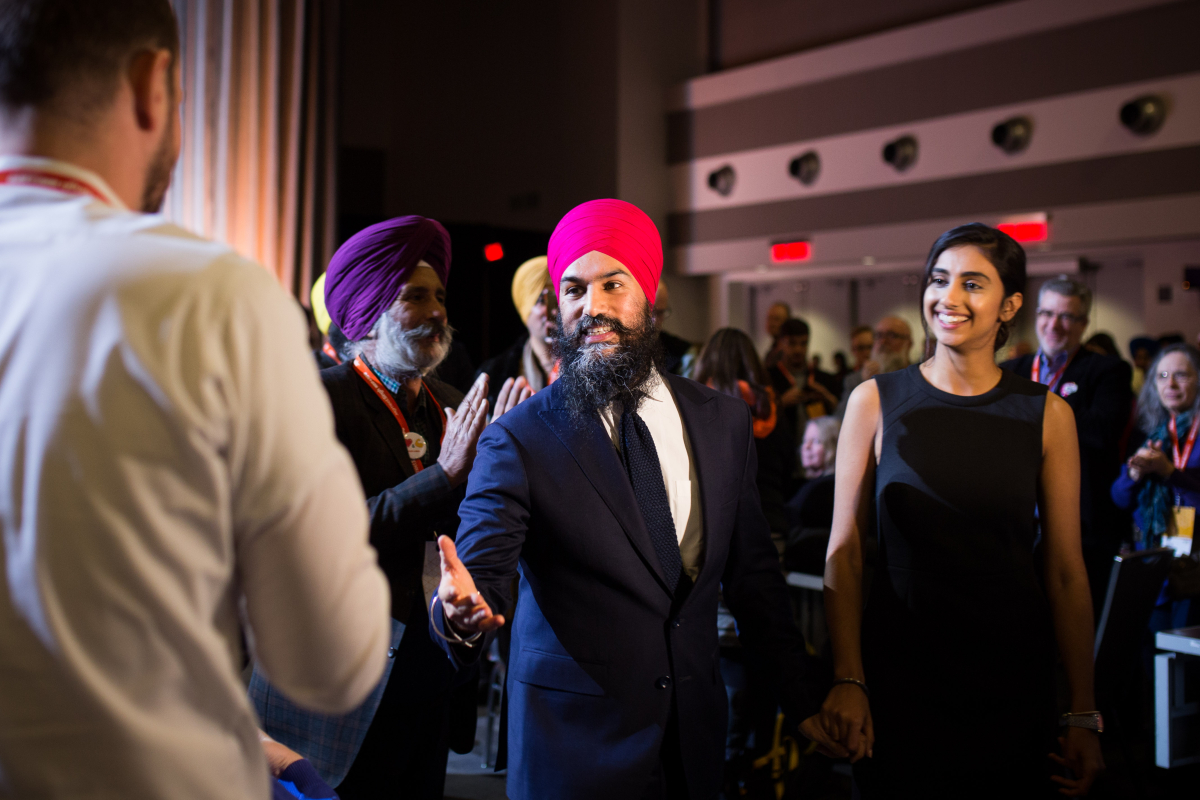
x=1061, y=322
x=1176, y=381
x=595, y=291
x=413, y=336
x=964, y=303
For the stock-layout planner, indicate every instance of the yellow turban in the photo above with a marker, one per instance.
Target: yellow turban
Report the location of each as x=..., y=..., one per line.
x=531, y=280
x=318, y=305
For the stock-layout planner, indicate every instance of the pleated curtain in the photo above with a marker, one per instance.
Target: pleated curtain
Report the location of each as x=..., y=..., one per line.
x=257, y=166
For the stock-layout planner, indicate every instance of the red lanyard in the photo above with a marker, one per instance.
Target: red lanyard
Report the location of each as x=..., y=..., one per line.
x=554, y=371
x=1057, y=376
x=1181, y=458
x=786, y=374
x=51, y=180
x=328, y=350
x=377, y=385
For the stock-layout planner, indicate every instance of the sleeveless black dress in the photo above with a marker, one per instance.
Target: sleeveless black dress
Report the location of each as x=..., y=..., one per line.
x=958, y=640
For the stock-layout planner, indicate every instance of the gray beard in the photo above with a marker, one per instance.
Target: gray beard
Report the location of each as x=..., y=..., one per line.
x=398, y=352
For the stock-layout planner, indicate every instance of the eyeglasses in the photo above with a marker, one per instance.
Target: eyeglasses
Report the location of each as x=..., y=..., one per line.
x=1070, y=319
x=662, y=313
x=890, y=336
x=1183, y=378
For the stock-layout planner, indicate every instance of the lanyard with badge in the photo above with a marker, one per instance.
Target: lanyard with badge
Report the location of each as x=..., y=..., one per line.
x=51, y=180
x=414, y=441
x=1056, y=377
x=1185, y=516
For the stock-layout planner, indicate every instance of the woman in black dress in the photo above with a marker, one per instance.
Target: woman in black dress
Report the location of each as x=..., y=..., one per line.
x=952, y=462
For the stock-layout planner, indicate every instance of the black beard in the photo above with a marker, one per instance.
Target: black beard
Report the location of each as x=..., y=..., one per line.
x=591, y=380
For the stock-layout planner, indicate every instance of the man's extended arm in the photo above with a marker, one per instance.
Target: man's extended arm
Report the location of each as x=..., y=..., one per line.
x=494, y=518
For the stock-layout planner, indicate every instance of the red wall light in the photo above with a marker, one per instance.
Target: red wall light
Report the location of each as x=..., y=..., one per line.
x=791, y=251
x=493, y=251
x=1026, y=231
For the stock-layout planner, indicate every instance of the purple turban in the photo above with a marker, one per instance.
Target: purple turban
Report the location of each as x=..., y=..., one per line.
x=366, y=274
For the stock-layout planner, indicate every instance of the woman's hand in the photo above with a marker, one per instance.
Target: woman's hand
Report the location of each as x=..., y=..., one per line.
x=846, y=717
x=1151, y=460
x=1081, y=755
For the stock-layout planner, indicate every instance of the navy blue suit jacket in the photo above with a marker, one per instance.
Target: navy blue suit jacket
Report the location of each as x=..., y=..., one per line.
x=599, y=646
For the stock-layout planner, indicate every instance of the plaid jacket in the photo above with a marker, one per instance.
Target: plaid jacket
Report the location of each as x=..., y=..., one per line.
x=330, y=743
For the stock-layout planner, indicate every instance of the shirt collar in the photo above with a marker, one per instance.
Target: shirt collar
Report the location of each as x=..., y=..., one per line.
x=392, y=384
x=1054, y=362
x=68, y=170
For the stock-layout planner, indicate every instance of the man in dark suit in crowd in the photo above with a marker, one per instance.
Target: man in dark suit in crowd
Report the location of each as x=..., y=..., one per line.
x=1097, y=387
x=625, y=498
x=386, y=290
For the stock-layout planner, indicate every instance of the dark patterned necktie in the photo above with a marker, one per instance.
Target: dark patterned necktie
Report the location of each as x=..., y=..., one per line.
x=645, y=473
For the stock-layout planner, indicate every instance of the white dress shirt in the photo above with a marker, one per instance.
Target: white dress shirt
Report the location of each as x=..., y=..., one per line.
x=661, y=414
x=168, y=467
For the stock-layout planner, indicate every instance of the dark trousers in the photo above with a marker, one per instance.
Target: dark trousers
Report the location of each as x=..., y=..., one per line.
x=668, y=782
x=405, y=750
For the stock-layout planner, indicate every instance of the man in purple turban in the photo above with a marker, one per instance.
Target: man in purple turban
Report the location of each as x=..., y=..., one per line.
x=385, y=289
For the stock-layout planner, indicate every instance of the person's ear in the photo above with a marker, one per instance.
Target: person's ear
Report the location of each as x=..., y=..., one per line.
x=152, y=79
x=1012, y=304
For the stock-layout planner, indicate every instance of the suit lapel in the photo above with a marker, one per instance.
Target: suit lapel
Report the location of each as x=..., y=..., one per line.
x=387, y=427
x=699, y=415
x=593, y=451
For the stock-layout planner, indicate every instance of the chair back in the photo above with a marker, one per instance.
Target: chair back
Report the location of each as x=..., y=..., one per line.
x=1134, y=585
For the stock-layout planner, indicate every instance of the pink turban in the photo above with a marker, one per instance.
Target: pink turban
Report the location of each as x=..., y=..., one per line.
x=367, y=273
x=615, y=228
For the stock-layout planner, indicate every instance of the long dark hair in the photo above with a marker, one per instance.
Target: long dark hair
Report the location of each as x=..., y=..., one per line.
x=729, y=357
x=1001, y=251
x=1151, y=413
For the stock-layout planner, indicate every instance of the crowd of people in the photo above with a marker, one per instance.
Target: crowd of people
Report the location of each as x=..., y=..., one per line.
x=229, y=574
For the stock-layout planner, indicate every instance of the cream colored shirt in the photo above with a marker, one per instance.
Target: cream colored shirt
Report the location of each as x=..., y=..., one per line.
x=168, y=467
x=661, y=414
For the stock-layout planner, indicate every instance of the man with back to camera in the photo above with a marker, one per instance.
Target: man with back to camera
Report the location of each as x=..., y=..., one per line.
x=166, y=453
x=386, y=288
x=625, y=498
x=1097, y=387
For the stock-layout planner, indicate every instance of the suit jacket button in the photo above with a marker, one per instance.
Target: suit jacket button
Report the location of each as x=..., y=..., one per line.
x=391, y=652
x=675, y=623
x=663, y=682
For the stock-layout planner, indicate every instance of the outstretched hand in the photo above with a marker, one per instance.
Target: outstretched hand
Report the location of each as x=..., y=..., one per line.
x=462, y=432
x=512, y=393
x=464, y=607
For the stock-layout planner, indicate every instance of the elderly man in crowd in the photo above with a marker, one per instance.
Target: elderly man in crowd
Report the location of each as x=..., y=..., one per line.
x=530, y=358
x=1097, y=387
x=890, y=352
x=625, y=499
x=386, y=289
x=169, y=477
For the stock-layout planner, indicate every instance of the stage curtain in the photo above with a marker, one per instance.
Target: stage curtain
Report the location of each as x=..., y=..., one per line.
x=257, y=166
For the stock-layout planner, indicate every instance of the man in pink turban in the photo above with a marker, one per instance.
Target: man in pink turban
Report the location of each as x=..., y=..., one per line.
x=625, y=498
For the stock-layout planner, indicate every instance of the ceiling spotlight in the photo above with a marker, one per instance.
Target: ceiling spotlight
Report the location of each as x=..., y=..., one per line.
x=805, y=168
x=721, y=181
x=1144, y=115
x=1012, y=136
x=901, y=153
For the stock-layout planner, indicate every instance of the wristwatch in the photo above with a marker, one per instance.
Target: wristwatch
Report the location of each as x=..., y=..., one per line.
x=1089, y=720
